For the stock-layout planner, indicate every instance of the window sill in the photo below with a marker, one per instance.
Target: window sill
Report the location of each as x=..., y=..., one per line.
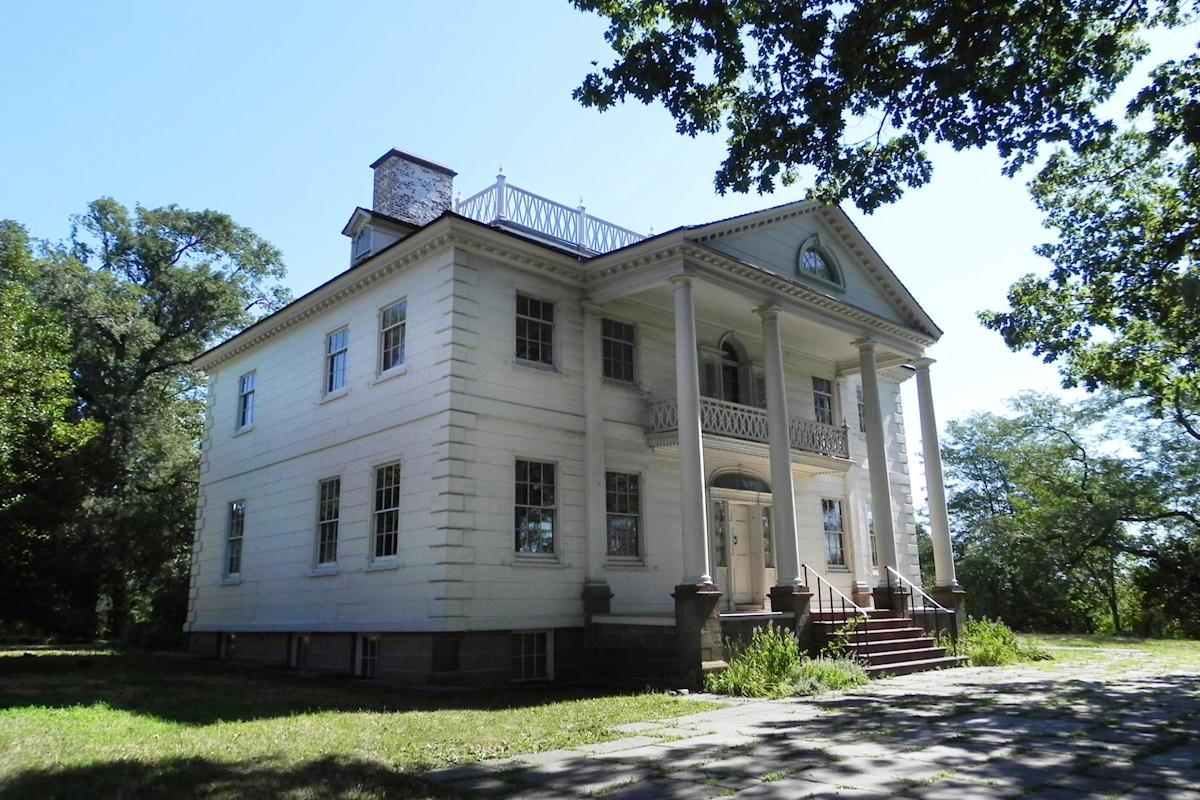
x=837, y=568
x=618, y=562
x=537, y=560
x=329, y=397
x=231, y=580
x=394, y=372
x=383, y=565
x=245, y=430
x=323, y=571
x=631, y=386
x=538, y=365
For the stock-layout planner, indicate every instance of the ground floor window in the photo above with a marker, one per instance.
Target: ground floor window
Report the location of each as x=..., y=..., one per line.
x=623, y=503
x=874, y=541
x=720, y=533
x=531, y=656
x=768, y=534
x=387, y=511
x=535, y=507
x=368, y=661
x=832, y=521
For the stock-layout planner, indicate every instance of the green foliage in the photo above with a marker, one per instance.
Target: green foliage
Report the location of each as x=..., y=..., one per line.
x=855, y=91
x=839, y=642
x=826, y=674
x=925, y=555
x=993, y=644
x=765, y=667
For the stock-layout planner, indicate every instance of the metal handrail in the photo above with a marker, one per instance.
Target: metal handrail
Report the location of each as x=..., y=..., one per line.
x=844, y=606
x=910, y=590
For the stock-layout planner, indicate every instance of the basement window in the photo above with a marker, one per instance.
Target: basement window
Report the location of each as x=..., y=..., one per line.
x=368, y=661
x=531, y=656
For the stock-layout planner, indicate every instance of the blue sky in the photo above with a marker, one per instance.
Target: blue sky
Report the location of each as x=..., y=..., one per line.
x=272, y=112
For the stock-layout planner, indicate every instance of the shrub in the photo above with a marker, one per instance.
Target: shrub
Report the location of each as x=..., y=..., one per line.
x=988, y=643
x=840, y=640
x=765, y=667
x=816, y=675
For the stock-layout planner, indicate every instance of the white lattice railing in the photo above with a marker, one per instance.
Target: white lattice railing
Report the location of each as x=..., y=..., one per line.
x=745, y=422
x=502, y=202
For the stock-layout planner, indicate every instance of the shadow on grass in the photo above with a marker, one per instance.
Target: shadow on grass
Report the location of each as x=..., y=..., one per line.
x=176, y=778
x=200, y=692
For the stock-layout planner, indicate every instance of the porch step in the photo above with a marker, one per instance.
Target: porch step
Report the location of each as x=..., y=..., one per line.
x=842, y=616
x=907, y=667
x=874, y=657
x=884, y=645
x=885, y=628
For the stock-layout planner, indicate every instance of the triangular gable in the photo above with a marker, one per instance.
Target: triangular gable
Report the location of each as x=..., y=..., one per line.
x=773, y=238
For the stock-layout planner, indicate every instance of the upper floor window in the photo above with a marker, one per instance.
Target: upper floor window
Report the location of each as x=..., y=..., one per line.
x=618, y=350
x=535, y=330
x=814, y=261
x=534, y=509
x=832, y=522
x=386, y=533
x=391, y=335
x=328, y=514
x=233, y=537
x=823, y=400
x=731, y=374
x=862, y=408
x=245, y=417
x=623, y=502
x=336, y=347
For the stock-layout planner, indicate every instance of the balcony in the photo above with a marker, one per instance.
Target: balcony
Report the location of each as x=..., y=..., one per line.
x=574, y=229
x=731, y=421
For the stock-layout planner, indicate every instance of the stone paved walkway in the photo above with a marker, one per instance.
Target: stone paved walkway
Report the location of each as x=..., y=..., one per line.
x=1086, y=732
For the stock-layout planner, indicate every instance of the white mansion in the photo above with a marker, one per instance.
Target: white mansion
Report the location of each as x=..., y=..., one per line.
x=514, y=442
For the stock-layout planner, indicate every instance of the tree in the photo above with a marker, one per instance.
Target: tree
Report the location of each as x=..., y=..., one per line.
x=1120, y=308
x=856, y=90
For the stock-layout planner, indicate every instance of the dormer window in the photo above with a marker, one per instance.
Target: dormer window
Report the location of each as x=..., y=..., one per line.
x=814, y=262
x=362, y=243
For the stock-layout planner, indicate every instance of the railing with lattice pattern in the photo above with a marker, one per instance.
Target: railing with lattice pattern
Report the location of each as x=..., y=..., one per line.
x=746, y=422
x=504, y=203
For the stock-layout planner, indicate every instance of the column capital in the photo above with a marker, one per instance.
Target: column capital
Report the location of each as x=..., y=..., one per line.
x=680, y=280
x=865, y=343
x=922, y=364
x=768, y=311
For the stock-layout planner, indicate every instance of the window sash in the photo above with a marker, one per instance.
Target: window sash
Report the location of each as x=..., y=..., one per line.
x=833, y=522
x=386, y=528
x=534, y=507
x=822, y=400
x=618, y=348
x=392, y=323
x=369, y=659
x=328, y=518
x=531, y=656
x=246, y=400
x=768, y=536
x=336, y=347
x=234, y=535
x=623, y=504
x=535, y=330
x=862, y=409
x=720, y=531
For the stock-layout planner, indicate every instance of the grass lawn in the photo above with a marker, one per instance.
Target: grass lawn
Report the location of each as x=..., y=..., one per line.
x=1119, y=653
x=105, y=724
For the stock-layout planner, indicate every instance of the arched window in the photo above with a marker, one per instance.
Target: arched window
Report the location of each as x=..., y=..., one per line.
x=813, y=261
x=741, y=481
x=731, y=373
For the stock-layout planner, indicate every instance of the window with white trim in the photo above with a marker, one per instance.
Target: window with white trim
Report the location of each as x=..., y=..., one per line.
x=234, y=533
x=535, y=507
x=535, y=330
x=531, y=656
x=329, y=501
x=832, y=520
x=392, y=320
x=386, y=529
x=245, y=417
x=623, y=503
x=617, y=343
x=368, y=660
x=822, y=400
x=337, y=346
x=862, y=408
x=768, y=536
x=871, y=536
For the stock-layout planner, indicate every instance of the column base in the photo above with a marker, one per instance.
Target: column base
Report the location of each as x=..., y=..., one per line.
x=885, y=597
x=797, y=601
x=697, y=633
x=862, y=595
x=597, y=599
x=953, y=597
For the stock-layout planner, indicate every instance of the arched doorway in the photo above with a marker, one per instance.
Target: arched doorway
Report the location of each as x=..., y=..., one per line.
x=742, y=540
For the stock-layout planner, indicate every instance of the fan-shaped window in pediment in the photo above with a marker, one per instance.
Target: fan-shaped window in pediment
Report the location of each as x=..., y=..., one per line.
x=813, y=261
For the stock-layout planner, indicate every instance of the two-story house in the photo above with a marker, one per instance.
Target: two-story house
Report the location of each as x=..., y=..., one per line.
x=516, y=442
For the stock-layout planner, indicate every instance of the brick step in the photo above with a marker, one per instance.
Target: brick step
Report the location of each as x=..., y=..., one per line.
x=907, y=667
x=881, y=645
x=874, y=624
x=842, y=616
x=874, y=657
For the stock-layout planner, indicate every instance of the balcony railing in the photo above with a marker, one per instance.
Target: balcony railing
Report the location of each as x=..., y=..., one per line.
x=503, y=203
x=745, y=422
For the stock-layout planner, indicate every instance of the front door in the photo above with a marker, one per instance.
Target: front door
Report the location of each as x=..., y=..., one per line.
x=739, y=546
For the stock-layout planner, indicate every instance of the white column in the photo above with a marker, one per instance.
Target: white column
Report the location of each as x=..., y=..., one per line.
x=783, y=494
x=935, y=487
x=694, y=517
x=593, y=467
x=881, y=487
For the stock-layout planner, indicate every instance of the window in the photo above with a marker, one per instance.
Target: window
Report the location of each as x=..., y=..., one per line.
x=623, y=501
x=618, y=350
x=862, y=409
x=362, y=243
x=760, y=389
x=391, y=335
x=814, y=263
x=246, y=400
x=720, y=533
x=823, y=400
x=233, y=537
x=387, y=511
x=871, y=535
x=535, y=330
x=535, y=503
x=336, y=345
x=368, y=661
x=768, y=534
x=831, y=517
x=731, y=374
x=531, y=656
x=303, y=651
x=328, y=510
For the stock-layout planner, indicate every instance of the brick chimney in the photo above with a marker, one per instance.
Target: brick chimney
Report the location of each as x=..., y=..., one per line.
x=411, y=189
